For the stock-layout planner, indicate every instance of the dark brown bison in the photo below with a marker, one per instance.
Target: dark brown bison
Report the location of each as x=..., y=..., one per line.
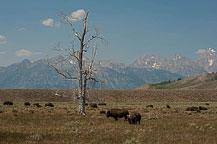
x=193, y=109
x=93, y=105
x=8, y=103
x=168, y=106
x=117, y=113
x=102, y=112
x=49, y=105
x=37, y=105
x=202, y=108
x=134, y=118
x=27, y=104
x=149, y=106
x=102, y=104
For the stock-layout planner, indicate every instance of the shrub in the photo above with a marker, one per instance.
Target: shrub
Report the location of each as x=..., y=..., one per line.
x=146, y=110
x=132, y=141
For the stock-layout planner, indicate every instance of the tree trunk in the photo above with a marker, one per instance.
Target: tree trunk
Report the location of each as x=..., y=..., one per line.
x=82, y=104
x=81, y=88
x=82, y=74
x=81, y=96
x=83, y=92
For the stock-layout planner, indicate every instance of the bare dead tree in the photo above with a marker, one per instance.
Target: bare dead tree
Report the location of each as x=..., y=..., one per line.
x=83, y=66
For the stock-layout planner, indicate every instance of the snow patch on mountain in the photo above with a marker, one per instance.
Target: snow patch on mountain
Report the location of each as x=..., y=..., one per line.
x=208, y=59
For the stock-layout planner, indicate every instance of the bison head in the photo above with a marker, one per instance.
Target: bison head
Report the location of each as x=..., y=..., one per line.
x=108, y=113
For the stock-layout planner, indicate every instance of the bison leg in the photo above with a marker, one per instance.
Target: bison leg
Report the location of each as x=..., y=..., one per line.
x=139, y=121
x=136, y=120
x=130, y=121
x=116, y=118
x=125, y=117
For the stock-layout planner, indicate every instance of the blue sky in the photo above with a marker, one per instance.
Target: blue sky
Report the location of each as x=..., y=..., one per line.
x=132, y=28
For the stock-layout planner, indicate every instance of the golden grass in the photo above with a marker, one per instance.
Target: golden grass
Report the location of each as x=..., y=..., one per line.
x=138, y=96
x=62, y=124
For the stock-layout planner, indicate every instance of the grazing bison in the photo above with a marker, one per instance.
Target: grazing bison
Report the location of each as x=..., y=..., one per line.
x=37, y=105
x=168, y=106
x=49, y=105
x=102, y=104
x=93, y=105
x=202, y=108
x=117, y=113
x=27, y=104
x=102, y=112
x=149, y=106
x=134, y=118
x=8, y=103
x=193, y=109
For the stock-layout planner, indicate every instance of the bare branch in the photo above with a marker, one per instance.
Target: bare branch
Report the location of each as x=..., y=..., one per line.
x=93, y=79
x=92, y=60
x=67, y=75
x=85, y=28
x=65, y=19
x=93, y=37
x=73, y=54
x=75, y=33
x=56, y=62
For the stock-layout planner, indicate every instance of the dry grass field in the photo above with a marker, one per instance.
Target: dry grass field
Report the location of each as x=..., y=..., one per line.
x=62, y=123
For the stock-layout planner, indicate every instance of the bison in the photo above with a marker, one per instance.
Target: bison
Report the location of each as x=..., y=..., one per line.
x=202, y=108
x=37, y=105
x=134, y=118
x=93, y=105
x=102, y=112
x=168, y=106
x=8, y=103
x=102, y=104
x=193, y=109
x=117, y=113
x=149, y=106
x=49, y=105
x=27, y=104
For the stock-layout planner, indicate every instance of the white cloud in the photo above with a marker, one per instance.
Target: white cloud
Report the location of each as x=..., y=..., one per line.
x=36, y=53
x=26, y=53
x=23, y=53
x=48, y=22
x=3, y=39
x=2, y=52
x=200, y=51
x=77, y=15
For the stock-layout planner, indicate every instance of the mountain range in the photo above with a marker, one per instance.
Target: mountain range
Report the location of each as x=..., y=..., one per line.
x=113, y=75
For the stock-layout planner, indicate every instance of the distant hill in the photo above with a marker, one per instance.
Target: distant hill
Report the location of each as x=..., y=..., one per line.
x=199, y=81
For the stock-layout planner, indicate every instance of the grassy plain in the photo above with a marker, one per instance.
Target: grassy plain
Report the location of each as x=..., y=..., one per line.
x=62, y=124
